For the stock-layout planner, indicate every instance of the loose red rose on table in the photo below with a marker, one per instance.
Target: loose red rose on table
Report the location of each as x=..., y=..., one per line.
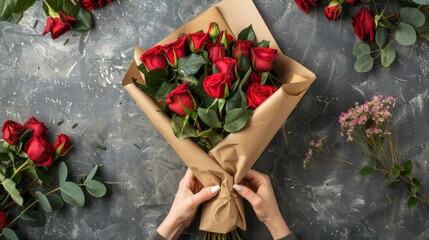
x=4, y=222
x=255, y=78
x=102, y=3
x=40, y=151
x=216, y=50
x=180, y=98
x=89, y=4
x=62, y=145
x=263, y=58
x=11, y=131
x=38, y=128
x=226, y=65
x=305, y=5
x=364, y=24
x=58, y=25
x=242, y=47
x=199, y=41
x=353, y=2
x=257, y=94
x=215, y=84
x=153, y=58
x=333, y=10
x=175, y=50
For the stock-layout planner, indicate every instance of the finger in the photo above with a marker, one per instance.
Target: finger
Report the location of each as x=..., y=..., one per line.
x=248, y=194
x=205, y=194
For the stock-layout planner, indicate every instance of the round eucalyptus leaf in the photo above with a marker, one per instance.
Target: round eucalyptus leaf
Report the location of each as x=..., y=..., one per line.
x=43, y=201
x=381, y=36
x=9, y=234
x=96, y=188
x=412, y=16
x=422, y=2
x=55, y=201
x=364, y=63
x=388, y=55
x=62, y=172
x=34, y=218
x=425, y=26
x=72, y=194
x=405, y=34
x=361, y=49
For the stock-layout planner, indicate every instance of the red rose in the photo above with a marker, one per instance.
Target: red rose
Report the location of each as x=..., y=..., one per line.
x=153, y=58
x=353, y=2
x=102, y=3
x=242, y=47
x=180, y=98
x=38, y=128
x=175, y=50
x=333, y=10
x=255, y=78
x=226, y=65
x=216, y=50
x=363, y=24
x=199, y=41
x=4, y=222
x=88, y=4
x=305, y=5
x=257, y=94
x=263, y=58
x=11, y=131
x=40, y=151
x=62, y=145
x=58, y=25
x=215, y=84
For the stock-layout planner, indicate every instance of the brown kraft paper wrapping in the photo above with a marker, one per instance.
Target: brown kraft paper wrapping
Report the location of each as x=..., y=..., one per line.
x=228, y=162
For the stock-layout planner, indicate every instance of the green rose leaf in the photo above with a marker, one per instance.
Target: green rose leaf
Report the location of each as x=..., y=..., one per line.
x=43, y=201
x=366, y=171
x=85, y=21
x=10, y=187
x=43, y=176
x=247, y=34
x=412, y=16
x=364, y=63
x=381, y=36
x=181, y=128
x=388, y=55
x=10, y=234
x=155, y=77
x=96, y=188
x=361, y=49
x=66, y=7
x=405, y=34
x=236, y=119
x=202, y=95
x=22, y=5
x=188, y=66
x=408, y=167
x=412, y=203
x=238, y=99
x=422, y=2
x=209, y=117
x=192, y=80
x=62, y=172
x=148, y=90
x=214, y=138
x=55, y=201
x=6, y=9
x=34, y=218
x=165, y=88
x=264, y=44
x=15, y=18
x=72, y=194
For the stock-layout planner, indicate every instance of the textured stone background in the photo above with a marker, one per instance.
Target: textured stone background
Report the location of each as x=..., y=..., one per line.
x=81, y=82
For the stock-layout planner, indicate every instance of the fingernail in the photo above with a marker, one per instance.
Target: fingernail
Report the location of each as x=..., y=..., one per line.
x=215, y=189
x=237, y=187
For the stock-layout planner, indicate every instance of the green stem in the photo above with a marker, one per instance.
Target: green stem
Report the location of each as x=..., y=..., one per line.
x=25, y=164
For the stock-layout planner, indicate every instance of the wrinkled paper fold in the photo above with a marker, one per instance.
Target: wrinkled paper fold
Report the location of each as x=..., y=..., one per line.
x=228, y=162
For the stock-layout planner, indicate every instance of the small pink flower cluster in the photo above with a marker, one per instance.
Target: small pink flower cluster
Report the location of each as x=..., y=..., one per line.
x=314, y=148
x=369, y=118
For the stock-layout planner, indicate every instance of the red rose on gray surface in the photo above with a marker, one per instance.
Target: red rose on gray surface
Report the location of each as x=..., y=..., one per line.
x=215, y=84
x=180, y=98
x=216, y=50
x=11, y=131
x=363, y=24
x=242, y=47
x=226, y=65
x=199, y=41
x=88, y=4
x=38, y=128
x=58, y=25
x=333, y=10
x=305, y=5
x=257, y=94
x=255, y=78
x=153, y=58
x=4, y=222
x=62, y=145
x=263, y=58
x=353, y=2
x=40, y=151
x=175, y=50
x=102, y=3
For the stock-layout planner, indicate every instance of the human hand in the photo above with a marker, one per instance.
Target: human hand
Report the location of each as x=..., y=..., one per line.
x=258, y=191
x=189, y=196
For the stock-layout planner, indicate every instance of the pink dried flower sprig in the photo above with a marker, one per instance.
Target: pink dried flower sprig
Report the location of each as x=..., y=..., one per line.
x=367, y=120
x=314, y=148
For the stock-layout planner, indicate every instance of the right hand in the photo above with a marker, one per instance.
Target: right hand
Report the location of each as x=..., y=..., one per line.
x=258, y=191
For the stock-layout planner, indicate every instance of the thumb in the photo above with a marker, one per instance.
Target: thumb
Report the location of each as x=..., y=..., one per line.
x=247, y=193
x=206, y=194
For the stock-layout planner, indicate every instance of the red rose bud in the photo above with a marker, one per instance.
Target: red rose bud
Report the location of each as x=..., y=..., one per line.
x=226, y=65
x=333, y=10
x=58, y=25
x=214, y=31
x=4, y=222
x=257, y=94
x=216, y=84
x=40, y=151
x=255, y=78
x=153, y=58
x=11, y=131
x=225, y=38
x=242, y=47
x=305, y=5
x=179, y=99
x=175, y=50
x=216, y=50
x=198, y=41
x=263, y=58
x=353, y=2
x=364, y=24
x=62, y=145
x=38, y=128
x=102, y=3
x=88, y=4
